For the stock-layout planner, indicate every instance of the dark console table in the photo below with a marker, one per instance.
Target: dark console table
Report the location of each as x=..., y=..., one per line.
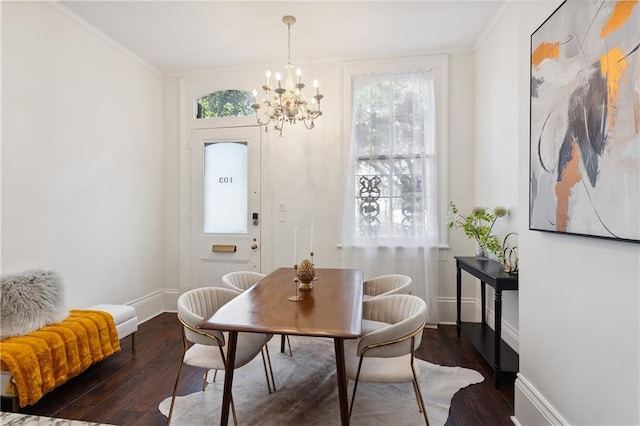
x=502, y=358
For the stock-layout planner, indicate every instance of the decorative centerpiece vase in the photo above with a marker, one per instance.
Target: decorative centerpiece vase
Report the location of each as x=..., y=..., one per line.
x=478, y=225
x=481, y=251
x=306, y=274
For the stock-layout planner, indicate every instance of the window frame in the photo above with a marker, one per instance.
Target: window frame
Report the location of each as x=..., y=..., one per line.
x=439, y=65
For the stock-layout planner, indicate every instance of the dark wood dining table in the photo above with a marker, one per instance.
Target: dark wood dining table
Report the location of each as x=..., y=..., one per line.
x=333, y=308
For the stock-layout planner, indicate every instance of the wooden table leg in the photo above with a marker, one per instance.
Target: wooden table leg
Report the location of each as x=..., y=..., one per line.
x=342, y=381
x=228, y=376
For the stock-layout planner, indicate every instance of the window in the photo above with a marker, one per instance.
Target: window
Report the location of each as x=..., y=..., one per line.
x=225, y=103
x=390, y=115
x=392, y=184
x=395, y=158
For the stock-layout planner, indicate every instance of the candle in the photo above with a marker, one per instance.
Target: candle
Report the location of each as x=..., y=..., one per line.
x=295, y=243
x=316, y=84
x=268, y=76
x=298, y=73
x=255, y=96
x=311, y=240
x=279, y=78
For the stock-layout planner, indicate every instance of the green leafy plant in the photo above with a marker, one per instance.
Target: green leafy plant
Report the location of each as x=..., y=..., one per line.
x=478, y=226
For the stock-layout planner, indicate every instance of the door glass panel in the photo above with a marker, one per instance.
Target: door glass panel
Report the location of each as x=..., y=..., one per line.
x=225, y=188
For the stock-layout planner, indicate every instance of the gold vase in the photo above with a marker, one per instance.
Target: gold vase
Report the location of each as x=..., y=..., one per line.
x=306, y=274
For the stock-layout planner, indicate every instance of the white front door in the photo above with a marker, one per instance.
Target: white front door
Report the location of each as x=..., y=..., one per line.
x=225, y=203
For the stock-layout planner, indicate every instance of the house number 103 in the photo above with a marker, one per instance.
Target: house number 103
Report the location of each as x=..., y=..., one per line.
x=225, y=179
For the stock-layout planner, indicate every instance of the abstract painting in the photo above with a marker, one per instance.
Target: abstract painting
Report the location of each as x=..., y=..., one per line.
x=585, y=121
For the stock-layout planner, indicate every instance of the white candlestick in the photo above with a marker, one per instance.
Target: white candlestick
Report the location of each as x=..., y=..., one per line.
x=295, y=243
x=311, y=240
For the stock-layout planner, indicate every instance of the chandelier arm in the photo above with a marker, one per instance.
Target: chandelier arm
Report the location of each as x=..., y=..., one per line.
x=308, y=126
x=263, y=123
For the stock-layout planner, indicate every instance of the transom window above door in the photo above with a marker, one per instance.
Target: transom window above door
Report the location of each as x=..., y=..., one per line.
x=225, y=103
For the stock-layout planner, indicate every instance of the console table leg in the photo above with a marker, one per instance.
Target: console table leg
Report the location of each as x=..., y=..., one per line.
x=483, y=299
x=498, y=328
x=458, y=299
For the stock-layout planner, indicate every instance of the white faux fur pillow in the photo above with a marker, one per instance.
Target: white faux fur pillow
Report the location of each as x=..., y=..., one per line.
x=29, y=301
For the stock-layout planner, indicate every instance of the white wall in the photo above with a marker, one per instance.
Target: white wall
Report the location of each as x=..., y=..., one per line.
x=303, y=169
x=579, y=327
x=496, y=168
x=119, y=166
x=81, y=157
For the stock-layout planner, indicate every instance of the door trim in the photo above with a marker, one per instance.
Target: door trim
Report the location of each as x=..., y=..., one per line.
x=191, y=87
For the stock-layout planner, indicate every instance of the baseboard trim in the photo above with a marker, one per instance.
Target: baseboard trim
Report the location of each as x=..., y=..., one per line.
x=165, y=300
x=472, y=311
x=531, y=408
x=155, y=303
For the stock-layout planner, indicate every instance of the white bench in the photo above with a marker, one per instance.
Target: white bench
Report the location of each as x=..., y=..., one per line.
x=126, y=321
x=125, y=318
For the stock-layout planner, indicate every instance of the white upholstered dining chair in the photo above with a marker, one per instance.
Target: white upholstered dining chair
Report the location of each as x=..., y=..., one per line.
x=244, y=280
x=386, y=285
x=206, y=348
x=241, y=280
x=392, y=331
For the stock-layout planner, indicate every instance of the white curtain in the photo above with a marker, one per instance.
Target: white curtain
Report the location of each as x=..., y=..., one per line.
x=392, y=228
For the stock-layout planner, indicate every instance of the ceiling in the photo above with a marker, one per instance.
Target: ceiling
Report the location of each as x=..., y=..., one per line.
x=182, y=36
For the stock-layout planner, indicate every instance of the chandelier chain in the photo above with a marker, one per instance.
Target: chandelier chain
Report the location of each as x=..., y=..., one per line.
x=289, y=42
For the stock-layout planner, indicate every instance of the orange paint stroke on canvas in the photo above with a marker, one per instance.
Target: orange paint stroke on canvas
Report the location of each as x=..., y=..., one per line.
x=621, y=12
x=570, y=177
x=545, y=51
x=613, y=66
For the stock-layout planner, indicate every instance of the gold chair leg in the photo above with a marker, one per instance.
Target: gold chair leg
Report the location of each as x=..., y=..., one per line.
x=204, y=380
x=266, y=373
x=273, y=381
x=233, y=412
x=289, y=344
x=355, y=386
x=173, y=395
x=416, y=387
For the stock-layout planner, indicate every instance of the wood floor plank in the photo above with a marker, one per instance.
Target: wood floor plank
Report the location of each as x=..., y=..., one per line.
x=126, y=388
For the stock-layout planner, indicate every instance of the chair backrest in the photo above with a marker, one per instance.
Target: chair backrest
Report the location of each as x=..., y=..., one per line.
x=197, y=304
x=407, y=316
x=388, y=284
x=241, y=280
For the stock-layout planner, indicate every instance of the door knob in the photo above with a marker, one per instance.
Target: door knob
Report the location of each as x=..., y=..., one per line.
x=254, y=246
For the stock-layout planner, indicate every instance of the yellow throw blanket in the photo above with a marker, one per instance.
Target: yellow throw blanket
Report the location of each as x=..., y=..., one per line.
x=46, y=358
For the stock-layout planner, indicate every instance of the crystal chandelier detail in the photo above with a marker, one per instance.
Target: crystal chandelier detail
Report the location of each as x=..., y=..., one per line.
x=287, y=104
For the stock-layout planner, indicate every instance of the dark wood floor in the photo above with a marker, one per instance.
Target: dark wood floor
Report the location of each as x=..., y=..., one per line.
x=126, y=388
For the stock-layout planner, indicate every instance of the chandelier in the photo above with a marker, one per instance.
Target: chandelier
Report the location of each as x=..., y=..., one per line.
x=287, y=104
